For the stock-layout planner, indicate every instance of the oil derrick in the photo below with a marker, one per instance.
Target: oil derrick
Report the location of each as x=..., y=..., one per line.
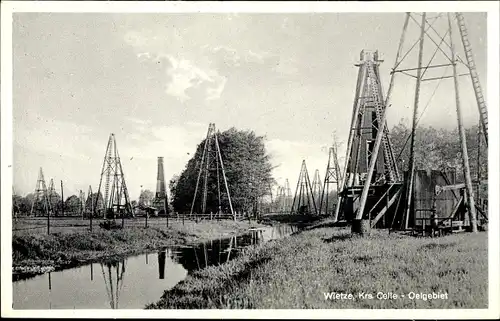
x=112, y=274
x=316, y=188
x=332, y=176
x=116, y=198
x=369, y=175
x=287, y=197
x=51, y=194
x=88, y=209
x=160, y=202
x=271, y=202
x=279, y=199
x=451, y=32
x=41, y=203
x=267, y=207
x=211, y=161
x=81, y=198
x=303, y=201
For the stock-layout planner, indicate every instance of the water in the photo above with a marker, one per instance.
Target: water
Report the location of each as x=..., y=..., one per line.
x=133, y=282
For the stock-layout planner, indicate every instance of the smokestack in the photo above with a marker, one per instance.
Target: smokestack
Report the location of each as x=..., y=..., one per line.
x=160, y=180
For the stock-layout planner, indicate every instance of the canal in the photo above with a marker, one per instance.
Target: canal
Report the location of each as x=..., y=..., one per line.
x=135, y=281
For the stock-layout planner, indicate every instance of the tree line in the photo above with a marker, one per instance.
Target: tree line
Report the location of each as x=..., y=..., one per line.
x=248, y=169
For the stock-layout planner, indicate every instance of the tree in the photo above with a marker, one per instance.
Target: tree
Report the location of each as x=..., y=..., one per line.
x=172, y=185
x=21, y=205
x=146, y=198
x=440, y=149
x=72, y=204
x=90, y=203
x=55, y=202
x=248, y=171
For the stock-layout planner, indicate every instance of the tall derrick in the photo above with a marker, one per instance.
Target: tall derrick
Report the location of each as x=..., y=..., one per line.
x=303, y=201
x=41, y=203
x=316, y=189
x=211, y=161
x=440, y=26
x=116, y=201
x=371, y=181
x=332, y=176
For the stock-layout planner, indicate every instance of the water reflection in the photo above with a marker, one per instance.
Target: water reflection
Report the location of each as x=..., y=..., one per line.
x=113, y=283
x=162, y=256
x=133, y=282
x=220, y=251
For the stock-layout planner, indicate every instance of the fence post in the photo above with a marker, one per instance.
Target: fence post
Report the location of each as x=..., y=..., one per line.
x=165, y=208
x=147, y=214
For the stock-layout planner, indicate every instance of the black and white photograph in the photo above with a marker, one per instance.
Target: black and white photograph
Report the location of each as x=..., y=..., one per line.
x=318, y=159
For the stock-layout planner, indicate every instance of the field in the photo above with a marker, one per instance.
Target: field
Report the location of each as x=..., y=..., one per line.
x=71, y=224
x=301, y=270
x=71, y=243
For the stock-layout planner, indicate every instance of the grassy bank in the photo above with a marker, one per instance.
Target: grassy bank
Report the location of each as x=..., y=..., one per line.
x=37, y=253
x=295, y=272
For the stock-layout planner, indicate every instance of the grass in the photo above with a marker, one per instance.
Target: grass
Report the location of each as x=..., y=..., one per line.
x=295, y=272
x=34, y=253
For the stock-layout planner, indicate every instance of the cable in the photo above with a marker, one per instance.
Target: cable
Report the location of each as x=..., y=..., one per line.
x=420, y=117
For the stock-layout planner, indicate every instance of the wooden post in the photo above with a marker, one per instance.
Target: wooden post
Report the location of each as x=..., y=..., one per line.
x=411, y=165
x=396, y=63
x=62, y=199
x=48, y=220
x=165, y=208
x=356, y=107
x=465, y=156
x=373, y=161
x=478, y=174
x=199, y=173
x=91, y=207
x=81, y=204
x=224, y=176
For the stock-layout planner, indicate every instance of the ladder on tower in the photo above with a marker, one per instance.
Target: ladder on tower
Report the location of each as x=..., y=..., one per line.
x=376, y=99
x=481, y=103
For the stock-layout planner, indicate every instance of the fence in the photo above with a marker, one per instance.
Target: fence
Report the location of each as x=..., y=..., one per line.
x=425, y=224
x=62, y=224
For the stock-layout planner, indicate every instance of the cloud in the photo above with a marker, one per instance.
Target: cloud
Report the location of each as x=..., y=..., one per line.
x=144, y=54
x=215, y=93
x=229, y=55
x=188, y=68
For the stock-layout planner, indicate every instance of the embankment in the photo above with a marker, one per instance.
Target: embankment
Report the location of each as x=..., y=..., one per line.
x=38, y=253
x=301, y=270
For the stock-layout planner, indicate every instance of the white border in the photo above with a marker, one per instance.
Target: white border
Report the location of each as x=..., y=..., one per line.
x=491, y=7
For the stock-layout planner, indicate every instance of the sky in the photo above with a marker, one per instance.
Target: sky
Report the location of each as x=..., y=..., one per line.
x=157, y=80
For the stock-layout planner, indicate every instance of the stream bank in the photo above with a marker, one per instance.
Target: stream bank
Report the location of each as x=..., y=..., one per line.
x=35, y=254
x=133, y=282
